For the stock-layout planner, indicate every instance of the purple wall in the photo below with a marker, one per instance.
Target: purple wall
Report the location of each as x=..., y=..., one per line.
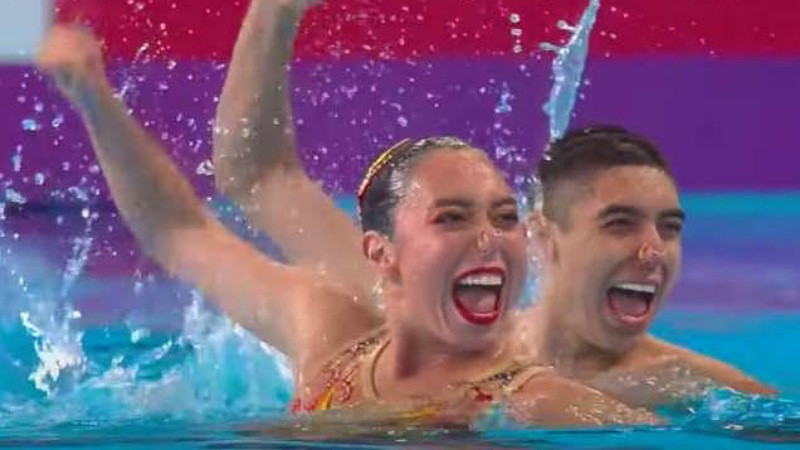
x=725, y=123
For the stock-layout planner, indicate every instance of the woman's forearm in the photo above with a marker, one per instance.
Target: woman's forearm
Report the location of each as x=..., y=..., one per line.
x=254, y=130
x=150, y=192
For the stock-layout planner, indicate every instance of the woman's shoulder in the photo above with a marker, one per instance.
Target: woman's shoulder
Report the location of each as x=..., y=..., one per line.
x=338, y=379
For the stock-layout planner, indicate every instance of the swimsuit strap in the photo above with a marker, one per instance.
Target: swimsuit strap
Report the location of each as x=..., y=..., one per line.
x=521, y=377
x=369, y=389
x=508, y=380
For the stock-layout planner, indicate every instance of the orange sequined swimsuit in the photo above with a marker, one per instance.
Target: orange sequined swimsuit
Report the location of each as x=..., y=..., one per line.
x=348, y=379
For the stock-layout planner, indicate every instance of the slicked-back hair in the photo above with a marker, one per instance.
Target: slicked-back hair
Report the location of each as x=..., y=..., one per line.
x=583, y=152
x=385, y=182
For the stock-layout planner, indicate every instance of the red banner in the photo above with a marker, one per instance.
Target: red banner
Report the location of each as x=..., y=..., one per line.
x=389, y=29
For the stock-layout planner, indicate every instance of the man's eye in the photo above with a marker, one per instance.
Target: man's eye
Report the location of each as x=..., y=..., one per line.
x=619, y=223
x=671, y=229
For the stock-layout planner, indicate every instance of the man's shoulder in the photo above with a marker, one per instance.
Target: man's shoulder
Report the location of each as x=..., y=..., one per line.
x=660, y=351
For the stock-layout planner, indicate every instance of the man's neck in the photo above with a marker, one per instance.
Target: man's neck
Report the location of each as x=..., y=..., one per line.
x=554, y=342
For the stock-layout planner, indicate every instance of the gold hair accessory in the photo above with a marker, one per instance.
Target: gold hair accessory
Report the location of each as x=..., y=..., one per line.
x=375, y=168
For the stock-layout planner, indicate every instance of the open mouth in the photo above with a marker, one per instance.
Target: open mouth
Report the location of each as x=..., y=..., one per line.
x=477, y=295
x=631, y=302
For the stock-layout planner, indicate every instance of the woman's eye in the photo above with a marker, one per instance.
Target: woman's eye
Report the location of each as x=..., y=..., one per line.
x=449, y=217
x=509, y=218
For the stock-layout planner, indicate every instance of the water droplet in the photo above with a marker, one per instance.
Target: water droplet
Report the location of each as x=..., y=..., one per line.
x=14, y=196
x=548, y=47
x=139, y=333
x=504, y=106
x=85, y=213
x=206, y=167
x=78, y=193
x=30, y=125
x=57, y=121
x=39, y=178
x=138, y=287
x=16, y=161
x=514, y=18
x=402, y=121
x=563, y=25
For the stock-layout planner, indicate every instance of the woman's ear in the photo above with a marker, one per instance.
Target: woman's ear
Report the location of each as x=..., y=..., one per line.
x=379, y=250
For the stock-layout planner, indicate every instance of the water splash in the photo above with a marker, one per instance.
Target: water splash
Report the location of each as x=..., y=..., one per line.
x=58, y=348
x=734, y=412
x=504, y=104
x=568, y=68
x=209, y=369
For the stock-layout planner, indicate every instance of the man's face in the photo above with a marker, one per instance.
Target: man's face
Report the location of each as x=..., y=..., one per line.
x=616, y=256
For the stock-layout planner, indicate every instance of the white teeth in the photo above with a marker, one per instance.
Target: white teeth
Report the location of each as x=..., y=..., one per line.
x=482, y=280
x=644, y=288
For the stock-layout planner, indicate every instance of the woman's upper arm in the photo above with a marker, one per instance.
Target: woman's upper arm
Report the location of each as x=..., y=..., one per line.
x=285, y=306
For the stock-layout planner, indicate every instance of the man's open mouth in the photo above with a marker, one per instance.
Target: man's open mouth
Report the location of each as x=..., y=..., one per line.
x=477, y=295
x=631, y=302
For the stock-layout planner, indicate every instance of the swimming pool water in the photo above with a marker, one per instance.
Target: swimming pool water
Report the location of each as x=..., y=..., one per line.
x=98, y=349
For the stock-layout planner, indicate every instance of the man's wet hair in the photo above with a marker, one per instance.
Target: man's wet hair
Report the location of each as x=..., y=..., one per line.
x=583, y=152
x=385, y=182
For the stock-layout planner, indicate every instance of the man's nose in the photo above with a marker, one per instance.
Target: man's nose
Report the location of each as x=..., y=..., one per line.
x=651, y=252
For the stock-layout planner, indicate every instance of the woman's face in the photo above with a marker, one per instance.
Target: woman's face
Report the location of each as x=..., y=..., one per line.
x=458, y=253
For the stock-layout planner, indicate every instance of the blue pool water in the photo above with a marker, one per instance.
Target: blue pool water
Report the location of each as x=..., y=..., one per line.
x=97, y=348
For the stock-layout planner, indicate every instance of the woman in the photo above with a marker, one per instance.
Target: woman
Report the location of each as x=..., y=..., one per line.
x=442, y=232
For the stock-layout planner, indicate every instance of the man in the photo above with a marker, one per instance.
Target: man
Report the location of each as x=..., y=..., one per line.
x=608, y=229
x=608, y=222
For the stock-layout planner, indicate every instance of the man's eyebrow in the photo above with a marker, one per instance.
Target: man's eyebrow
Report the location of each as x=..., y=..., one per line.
x=676, y=213
x=611, y=210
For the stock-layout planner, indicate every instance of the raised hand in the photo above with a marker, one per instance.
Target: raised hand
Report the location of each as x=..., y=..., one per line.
x=72, y=55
